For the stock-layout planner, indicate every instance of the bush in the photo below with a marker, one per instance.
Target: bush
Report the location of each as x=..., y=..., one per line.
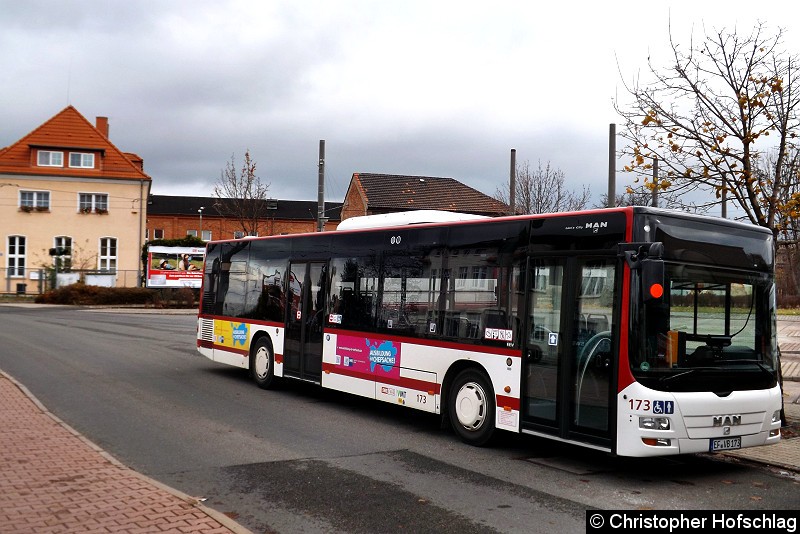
x=82, y=295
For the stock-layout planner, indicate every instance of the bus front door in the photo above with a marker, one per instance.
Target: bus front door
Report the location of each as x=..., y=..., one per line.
x=302, y=356
x=568, y=359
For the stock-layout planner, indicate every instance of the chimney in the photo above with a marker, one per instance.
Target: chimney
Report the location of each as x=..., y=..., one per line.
x=101, y=123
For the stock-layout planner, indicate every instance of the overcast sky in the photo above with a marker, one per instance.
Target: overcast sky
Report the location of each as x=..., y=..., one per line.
x=427, y=88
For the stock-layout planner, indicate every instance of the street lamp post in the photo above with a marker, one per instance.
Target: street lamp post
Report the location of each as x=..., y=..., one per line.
x=200, y=211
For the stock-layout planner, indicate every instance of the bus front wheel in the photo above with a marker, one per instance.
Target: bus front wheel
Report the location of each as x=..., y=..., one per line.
x=471, y=407
x=262, y=363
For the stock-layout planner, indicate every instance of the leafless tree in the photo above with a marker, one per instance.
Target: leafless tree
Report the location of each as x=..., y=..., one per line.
x=711, y=116
x=241, y=195
x=542, y=190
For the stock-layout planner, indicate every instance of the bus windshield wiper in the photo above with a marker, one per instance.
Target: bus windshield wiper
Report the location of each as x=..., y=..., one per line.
x=760, y=365
x=669, y=378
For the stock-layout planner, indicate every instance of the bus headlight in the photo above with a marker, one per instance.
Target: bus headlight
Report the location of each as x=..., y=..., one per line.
x=776, y=416
x=654, y=423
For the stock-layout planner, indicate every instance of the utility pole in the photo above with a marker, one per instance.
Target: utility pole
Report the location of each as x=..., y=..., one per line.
x=321, y=188
x=654, y=202
x=612, y=165
x=512, y=183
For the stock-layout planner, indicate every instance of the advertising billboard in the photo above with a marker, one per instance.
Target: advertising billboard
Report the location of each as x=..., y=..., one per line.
x=175, y=266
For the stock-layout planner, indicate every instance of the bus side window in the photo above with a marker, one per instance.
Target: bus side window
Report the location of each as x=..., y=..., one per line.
x=354, y=283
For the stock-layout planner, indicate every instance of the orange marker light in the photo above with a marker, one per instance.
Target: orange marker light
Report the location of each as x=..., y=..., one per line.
x=656, y=291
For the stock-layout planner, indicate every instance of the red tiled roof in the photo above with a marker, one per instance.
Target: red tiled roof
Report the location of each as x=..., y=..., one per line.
x=387, y=192
x=69, y=130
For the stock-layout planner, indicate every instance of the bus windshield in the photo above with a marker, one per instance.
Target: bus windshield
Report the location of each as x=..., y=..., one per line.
x=713, y=330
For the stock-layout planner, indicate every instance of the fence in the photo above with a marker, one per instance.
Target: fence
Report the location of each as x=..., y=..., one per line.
x=38, y=281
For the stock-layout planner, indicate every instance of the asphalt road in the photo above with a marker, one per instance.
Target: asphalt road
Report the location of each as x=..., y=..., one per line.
x=301, y=459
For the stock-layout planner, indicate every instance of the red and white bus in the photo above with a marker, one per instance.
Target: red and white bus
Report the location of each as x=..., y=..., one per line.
x=635, y=331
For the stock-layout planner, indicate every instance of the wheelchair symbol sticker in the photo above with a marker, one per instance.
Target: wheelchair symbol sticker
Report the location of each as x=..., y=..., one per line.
x=663, y=407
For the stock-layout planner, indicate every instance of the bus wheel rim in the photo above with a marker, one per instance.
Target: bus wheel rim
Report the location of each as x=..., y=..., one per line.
x=262, y=362
x=471, y=406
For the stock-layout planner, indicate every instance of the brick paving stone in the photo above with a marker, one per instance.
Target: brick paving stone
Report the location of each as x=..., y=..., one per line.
x=53, y=481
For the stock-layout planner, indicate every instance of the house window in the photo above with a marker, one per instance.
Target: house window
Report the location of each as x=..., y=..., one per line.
x=88, y=202
x=206, y=235
x=15, y=262
x=158, y=233
x=82, y=160
x=238, y=235
x=34, y=199
x=47, y=158
x=107, y=259
x=192, y=233
x=65, y=243
x=63, y=258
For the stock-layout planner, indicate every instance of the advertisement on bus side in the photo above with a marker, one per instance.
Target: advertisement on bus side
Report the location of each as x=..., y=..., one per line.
x=175, y=266
x=369, y=356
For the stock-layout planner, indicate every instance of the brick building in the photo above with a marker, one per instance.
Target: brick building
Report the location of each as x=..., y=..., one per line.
x=173, y=217
x=373, y=194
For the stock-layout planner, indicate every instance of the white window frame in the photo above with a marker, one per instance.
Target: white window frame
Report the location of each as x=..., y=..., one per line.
x=92, y=201
x=49, y=158
x=63, y=241
x=206, y=235
x=192, y=233
x=19, y=267
x=105, y=260
x=39, y=199
x=85, y=160
x=158, y=233
x=238, y=234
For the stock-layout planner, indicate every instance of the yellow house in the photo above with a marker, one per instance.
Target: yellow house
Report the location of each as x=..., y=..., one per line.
x=70, y=199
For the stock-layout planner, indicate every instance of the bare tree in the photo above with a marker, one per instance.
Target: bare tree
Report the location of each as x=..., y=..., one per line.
x=542, y=190
x=242, y=196
x=642, y=196
x=710, y=115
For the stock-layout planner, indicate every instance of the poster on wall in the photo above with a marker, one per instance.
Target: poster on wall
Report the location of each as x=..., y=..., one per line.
x=175, y=266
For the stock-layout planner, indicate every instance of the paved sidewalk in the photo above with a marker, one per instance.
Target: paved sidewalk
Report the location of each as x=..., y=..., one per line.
x=52, y=480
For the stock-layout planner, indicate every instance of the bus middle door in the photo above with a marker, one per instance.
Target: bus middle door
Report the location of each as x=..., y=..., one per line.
x=305, y=320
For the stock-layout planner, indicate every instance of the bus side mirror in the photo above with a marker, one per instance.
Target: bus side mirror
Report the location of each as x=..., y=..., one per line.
x=652, y=279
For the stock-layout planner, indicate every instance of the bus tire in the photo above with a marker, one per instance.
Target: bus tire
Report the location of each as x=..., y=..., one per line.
x=262, y=363
x=471, y=407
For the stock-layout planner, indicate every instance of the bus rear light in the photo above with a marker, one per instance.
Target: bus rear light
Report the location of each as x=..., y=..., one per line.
x=654, y=423
x=657, y=442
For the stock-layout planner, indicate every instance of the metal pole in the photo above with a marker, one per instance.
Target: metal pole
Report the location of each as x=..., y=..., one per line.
x=724, y=201
x=612, y=165
x=654, y=202
x=321, y=188
x=142, y=206
x=512, y=183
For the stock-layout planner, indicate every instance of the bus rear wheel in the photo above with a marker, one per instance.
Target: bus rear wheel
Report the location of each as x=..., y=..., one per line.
x=262, y=364
x=471, y=407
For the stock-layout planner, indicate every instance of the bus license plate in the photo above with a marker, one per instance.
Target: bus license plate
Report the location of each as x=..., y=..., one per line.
x=725, y=444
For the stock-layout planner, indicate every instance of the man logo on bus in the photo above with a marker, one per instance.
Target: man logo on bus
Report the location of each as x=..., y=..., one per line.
x=384, y=355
